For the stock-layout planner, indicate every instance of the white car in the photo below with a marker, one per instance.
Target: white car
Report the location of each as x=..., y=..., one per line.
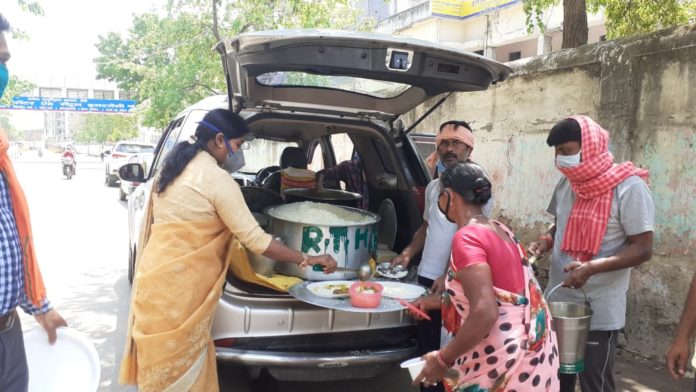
x=310, y=90
x=127, y=187
x=119, y=156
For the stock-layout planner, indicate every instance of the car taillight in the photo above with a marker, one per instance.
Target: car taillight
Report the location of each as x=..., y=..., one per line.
x=419, y=191
x=227, y=342
x=118, y=156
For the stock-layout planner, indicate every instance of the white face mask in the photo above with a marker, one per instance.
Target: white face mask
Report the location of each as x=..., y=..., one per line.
x=568, y=160
x=234, y=162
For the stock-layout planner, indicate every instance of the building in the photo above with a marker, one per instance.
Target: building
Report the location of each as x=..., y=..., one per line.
x=495, y=29
x=57, y=123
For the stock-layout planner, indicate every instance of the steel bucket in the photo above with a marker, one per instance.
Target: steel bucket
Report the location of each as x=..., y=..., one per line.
x=571, y=322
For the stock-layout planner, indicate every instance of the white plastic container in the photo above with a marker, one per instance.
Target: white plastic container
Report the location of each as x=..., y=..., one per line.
x=414, y=366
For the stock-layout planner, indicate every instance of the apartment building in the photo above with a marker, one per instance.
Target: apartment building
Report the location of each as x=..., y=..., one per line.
x=495, y=29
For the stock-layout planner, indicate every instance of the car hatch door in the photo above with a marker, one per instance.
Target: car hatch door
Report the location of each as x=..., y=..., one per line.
x=355, y=72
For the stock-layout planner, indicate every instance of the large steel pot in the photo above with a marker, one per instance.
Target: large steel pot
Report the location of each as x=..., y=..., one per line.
x=328, y=196
x=350, y=245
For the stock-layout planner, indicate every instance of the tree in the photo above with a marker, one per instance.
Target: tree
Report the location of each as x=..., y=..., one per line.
x=623, y=18
x=101, y=128
x=168, y=62
x=14, y=88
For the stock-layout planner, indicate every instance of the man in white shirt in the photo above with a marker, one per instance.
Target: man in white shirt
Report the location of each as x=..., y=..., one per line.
x=454, y=142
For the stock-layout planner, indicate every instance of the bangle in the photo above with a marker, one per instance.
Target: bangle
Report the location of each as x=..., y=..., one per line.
x=305, y=259
x=549, y=240
x=442, y=362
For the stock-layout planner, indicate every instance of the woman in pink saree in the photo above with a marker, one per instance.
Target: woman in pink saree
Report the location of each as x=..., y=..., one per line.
x=492, y=303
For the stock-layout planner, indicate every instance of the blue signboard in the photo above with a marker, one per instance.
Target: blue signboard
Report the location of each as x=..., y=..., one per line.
x=72, y=104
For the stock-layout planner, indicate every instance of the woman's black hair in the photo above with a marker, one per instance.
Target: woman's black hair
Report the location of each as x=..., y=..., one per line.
x=567, y=130
x=468, y=180
x=230, y=124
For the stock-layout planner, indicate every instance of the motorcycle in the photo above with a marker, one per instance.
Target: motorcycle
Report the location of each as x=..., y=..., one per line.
x=68, y=167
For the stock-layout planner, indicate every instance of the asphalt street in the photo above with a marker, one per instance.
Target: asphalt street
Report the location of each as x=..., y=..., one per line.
x=81, y=235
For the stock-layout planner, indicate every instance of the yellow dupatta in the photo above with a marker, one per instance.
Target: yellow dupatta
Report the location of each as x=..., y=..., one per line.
x=178, y=283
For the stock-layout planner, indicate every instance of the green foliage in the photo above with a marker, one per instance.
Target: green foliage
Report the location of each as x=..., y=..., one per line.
x=623, y=17
x=168, y=61
x=16, y=87
x=638, y=17
x=31, y=6
x=101, y=128
x=28, y=6
x=12, y=133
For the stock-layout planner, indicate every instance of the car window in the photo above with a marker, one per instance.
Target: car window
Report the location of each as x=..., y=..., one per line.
x=317, y=161
x=371, y=87
x=169, y=142
x=134, y=148
x=264, y=153
x=342, y=147
x=425, y=145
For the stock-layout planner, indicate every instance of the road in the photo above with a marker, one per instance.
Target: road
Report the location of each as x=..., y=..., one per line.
x=81, y=236
x=80, y=230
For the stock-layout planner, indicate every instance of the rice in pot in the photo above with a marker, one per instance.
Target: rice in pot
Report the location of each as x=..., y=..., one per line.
x=312, y=213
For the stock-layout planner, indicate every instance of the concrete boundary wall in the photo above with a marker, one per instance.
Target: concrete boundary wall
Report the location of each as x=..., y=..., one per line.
x=643, y=91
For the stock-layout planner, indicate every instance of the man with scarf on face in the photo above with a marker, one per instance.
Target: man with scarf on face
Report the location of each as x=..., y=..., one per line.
x=604, y=222
x=20, y=279
x=454, y=142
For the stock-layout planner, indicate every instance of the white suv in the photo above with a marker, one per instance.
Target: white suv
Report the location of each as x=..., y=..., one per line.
x=119, y=156
x=313, y=90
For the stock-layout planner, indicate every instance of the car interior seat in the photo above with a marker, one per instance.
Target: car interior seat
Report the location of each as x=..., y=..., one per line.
x=291, y=157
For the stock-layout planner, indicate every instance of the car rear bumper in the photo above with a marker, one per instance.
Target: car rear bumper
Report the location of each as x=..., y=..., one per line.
x=305, y=366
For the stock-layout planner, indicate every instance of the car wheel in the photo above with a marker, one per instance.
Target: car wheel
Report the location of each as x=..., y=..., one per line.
x=110, y=182
x=235, y=378
x=131, y=264
x=121, y=194
x=106, y=176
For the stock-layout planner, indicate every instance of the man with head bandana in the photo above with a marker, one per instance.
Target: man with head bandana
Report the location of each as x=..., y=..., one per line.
x=20, y=279
x=604, y=222
x=454, y=142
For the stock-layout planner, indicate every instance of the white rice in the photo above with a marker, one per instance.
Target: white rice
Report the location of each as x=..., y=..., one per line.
x=311, y=213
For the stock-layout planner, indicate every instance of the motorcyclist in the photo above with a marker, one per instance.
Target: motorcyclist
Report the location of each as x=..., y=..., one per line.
x=69, y=154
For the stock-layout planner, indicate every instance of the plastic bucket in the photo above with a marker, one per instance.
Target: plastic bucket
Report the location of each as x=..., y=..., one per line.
x=571, y=322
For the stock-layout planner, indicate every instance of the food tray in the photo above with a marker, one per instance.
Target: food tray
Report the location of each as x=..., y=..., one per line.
x=302, y=293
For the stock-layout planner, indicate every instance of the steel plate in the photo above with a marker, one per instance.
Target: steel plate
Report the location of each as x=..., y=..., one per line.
x=302, y=293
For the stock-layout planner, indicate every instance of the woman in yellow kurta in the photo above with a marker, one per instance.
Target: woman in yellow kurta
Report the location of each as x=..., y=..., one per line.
x=195, y=209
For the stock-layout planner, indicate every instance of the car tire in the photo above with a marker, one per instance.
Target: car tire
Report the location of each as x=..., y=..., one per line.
x=236, y=378
x=110, y=182
x=131, y=264
x=121, y=194
x=106, y=176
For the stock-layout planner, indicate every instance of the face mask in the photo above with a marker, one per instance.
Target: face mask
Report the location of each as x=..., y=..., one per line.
x=568, y=160
x=447, y=206
x=440, y=167
x=234, y=162
x=4, y=79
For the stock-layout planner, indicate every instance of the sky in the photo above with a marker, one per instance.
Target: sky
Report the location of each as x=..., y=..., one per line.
x=61, y=46
x=62, y=41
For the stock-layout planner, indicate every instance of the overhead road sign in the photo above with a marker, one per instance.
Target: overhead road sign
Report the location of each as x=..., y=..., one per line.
x=84, y=105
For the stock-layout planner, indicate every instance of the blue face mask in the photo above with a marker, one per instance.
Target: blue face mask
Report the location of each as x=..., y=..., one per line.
x=4, y=79
x=440, y=167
